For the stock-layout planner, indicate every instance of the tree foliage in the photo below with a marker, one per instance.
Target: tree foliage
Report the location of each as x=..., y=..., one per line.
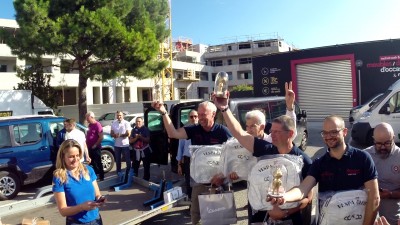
x=33, y=78
x=242, y=87
x=99, y=37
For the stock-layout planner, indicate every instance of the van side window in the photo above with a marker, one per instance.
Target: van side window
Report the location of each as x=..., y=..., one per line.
x=155, y=121
x=27, y=133
x=394, y=103
x=5, y=140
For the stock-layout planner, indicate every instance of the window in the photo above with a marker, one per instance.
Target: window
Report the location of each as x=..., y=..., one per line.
x=27, y=133
x=229, y=48
x=5, y=140
x=244, y=75
x=394, y=103
x=215, y=63
x=3, y=68
x=55, y=127
x=244, y=60
x=155, y=121
x=182, y=93
x=230, y=75
x=229, y=61
x=244, y=46
x=204, y=76
x=263, y=44
x=185, y=116
x=213, y=75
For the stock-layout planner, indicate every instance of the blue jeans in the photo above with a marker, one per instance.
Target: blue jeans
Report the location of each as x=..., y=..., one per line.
x=71, y=221
x=127, y=156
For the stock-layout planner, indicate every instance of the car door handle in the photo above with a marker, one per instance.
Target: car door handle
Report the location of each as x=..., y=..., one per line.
x=43, y=148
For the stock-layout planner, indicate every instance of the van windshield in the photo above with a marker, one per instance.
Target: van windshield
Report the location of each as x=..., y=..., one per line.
x=379, y=100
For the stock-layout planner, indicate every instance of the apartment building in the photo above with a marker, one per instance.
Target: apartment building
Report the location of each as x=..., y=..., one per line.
x=194, y=69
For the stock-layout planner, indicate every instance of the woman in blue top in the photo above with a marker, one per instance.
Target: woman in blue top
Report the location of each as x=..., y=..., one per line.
x=75, y=188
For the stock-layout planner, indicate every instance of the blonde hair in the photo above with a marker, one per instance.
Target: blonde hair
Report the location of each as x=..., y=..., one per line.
x=61, y=168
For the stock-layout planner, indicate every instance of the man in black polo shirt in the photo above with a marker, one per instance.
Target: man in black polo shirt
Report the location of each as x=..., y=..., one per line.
x=282, y=135
x=206, y=132
x=341, y=168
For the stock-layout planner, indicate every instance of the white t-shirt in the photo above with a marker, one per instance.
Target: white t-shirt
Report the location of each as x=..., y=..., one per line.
x=78, y=136
x=121, y=128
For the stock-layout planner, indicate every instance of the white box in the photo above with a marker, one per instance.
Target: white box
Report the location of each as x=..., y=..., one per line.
x=172, y=194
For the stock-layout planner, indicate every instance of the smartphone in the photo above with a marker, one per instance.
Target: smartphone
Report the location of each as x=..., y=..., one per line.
x=101, y=199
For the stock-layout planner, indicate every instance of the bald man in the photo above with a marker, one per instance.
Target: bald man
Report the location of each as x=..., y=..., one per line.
x=386, y=156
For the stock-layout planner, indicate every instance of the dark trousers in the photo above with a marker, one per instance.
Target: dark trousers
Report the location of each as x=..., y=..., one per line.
x=72, y=221
x=95, y=155
x=146, y=163
x=127, y=156
x=186, y=171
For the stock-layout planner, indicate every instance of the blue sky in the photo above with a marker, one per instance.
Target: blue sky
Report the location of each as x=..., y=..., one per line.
x=304, y=23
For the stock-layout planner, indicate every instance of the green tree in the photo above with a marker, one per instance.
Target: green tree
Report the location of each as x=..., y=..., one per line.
x=242, y=87
x=33, y=78
x=100, y=37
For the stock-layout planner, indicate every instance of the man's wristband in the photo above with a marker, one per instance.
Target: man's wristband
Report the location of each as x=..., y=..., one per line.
x=164, y=113
x=224, y=110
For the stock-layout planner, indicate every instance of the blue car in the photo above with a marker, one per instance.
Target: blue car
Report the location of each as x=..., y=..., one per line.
x=28, y=152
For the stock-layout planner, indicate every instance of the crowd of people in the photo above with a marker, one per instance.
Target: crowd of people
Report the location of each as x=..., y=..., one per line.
x=342, y=168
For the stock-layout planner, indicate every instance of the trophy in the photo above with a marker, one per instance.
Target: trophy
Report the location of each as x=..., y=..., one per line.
x=157, y=93
x=276, y=189
x=221, y=85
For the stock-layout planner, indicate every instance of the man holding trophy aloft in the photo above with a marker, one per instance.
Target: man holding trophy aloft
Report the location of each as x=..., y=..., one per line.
x=280, y=155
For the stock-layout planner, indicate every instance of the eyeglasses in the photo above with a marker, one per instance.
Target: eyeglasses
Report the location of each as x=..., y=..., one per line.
x=277, y=131
x=194, y=116
x=386, y=143
x=331, y=133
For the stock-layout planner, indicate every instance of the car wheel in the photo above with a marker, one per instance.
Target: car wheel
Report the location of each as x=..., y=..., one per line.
x=107, y=159
x=304, y=140
x=9, y=185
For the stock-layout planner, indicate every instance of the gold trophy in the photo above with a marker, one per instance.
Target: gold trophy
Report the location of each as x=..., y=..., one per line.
x=157, y=93
x=276, y=189
x=221, y=85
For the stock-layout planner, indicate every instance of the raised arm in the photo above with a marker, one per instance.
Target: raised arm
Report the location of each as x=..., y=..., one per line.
x=244, y=138
x=179, y=133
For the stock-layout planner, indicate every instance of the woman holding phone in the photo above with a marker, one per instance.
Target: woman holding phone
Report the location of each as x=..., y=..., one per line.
x=75, y=188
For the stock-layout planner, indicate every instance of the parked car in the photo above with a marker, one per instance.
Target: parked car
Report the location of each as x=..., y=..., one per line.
x=357, y=111
x=28, y=153
x=107, y=118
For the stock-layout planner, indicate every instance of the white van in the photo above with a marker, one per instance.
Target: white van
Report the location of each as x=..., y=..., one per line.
x=387, y=109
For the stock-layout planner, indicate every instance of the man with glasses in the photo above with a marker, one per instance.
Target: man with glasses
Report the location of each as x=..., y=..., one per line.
x=183, y=155
x=207, y=132
x=341, y=168
x=386, y=156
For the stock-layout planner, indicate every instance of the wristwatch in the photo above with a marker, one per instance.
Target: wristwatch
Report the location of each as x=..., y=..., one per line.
x=224, y=110
x=164, y=113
